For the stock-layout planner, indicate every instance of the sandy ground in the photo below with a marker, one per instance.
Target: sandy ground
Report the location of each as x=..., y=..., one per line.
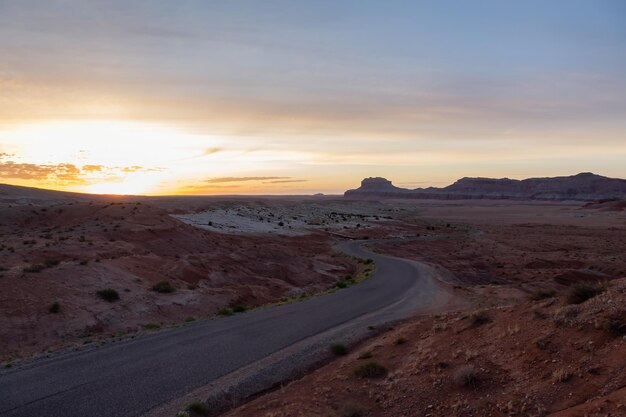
x=288, y=219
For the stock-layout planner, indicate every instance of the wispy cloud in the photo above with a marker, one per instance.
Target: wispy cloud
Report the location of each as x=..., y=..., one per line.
x=211, y=151
x=283, y=181
x=242, y=179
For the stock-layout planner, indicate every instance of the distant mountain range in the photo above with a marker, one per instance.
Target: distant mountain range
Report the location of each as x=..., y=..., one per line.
x=584, y=186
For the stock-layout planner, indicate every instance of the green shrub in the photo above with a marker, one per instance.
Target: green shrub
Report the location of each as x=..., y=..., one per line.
x=108, y=294
x=341, y=284
x=225, y=311
x=371, y=369
x=400, y=340
x=151, y=326
x=163, y=287
x=199, y=408
x=366, y=354
x=239, y=309
x=54, y=308
x=338, y=349
x=189, y=319
x=580, y=293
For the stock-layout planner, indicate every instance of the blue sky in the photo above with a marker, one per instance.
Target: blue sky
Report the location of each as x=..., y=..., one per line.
x=323, y=92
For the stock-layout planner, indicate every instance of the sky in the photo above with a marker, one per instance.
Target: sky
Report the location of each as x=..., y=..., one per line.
x=300, y=97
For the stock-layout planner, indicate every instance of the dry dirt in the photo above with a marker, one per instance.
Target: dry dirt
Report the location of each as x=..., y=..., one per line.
x=530, y=358
x=66, y=252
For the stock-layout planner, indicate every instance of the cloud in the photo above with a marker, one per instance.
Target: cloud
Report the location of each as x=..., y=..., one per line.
x=241, y=179
x=211, y=151
x=60, y=173
x=93, y=168
x=64, y=173
x=283, y=181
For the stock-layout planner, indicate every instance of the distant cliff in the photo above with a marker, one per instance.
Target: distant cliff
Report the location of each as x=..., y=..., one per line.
x=584, y=186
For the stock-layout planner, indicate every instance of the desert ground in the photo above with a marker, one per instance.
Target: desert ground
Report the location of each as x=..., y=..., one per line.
x=515, y=344
x=524, y=347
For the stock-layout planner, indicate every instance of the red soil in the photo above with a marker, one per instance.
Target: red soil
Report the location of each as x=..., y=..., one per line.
x=532, y=359
x=85, y=247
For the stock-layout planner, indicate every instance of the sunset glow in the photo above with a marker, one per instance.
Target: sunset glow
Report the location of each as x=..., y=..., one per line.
x=291, y=99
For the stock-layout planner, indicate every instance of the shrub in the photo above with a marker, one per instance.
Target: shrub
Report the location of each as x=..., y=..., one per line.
x=371, y=369
x=562, y=375
x=54, y=308
x=163, y=287
x=151, y=326
x=341, y=284
x=225, y=311
x=580, y=293
x=466, y=376
x=198, y=407
x=400, y=340
x=350, y=410
x=366, y=354
x=34, y=268
x=239, y=309
x=542, y=342
x=108, y=294
x=189, y=319
x=542, y=294
x=49, y=263
x=615, y=326
x=338, y=349
x=479, y=318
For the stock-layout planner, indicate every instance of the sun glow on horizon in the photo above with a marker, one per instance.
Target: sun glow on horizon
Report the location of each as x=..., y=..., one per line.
x=103, y=157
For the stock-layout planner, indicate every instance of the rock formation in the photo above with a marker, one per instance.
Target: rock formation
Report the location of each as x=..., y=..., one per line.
x=583, y=186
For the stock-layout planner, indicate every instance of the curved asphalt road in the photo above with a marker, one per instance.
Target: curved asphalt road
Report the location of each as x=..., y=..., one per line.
x=131, y=377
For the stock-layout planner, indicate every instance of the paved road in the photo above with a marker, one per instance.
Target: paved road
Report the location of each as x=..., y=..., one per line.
x=131, y=377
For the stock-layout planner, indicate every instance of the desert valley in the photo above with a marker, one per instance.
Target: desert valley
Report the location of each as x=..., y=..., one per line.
x=312, y=208
x=534, y=323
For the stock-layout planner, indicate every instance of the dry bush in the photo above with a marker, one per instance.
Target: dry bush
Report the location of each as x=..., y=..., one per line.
x=466, y=376
x=561, y=375
x=580, y=293
x=371, y=369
